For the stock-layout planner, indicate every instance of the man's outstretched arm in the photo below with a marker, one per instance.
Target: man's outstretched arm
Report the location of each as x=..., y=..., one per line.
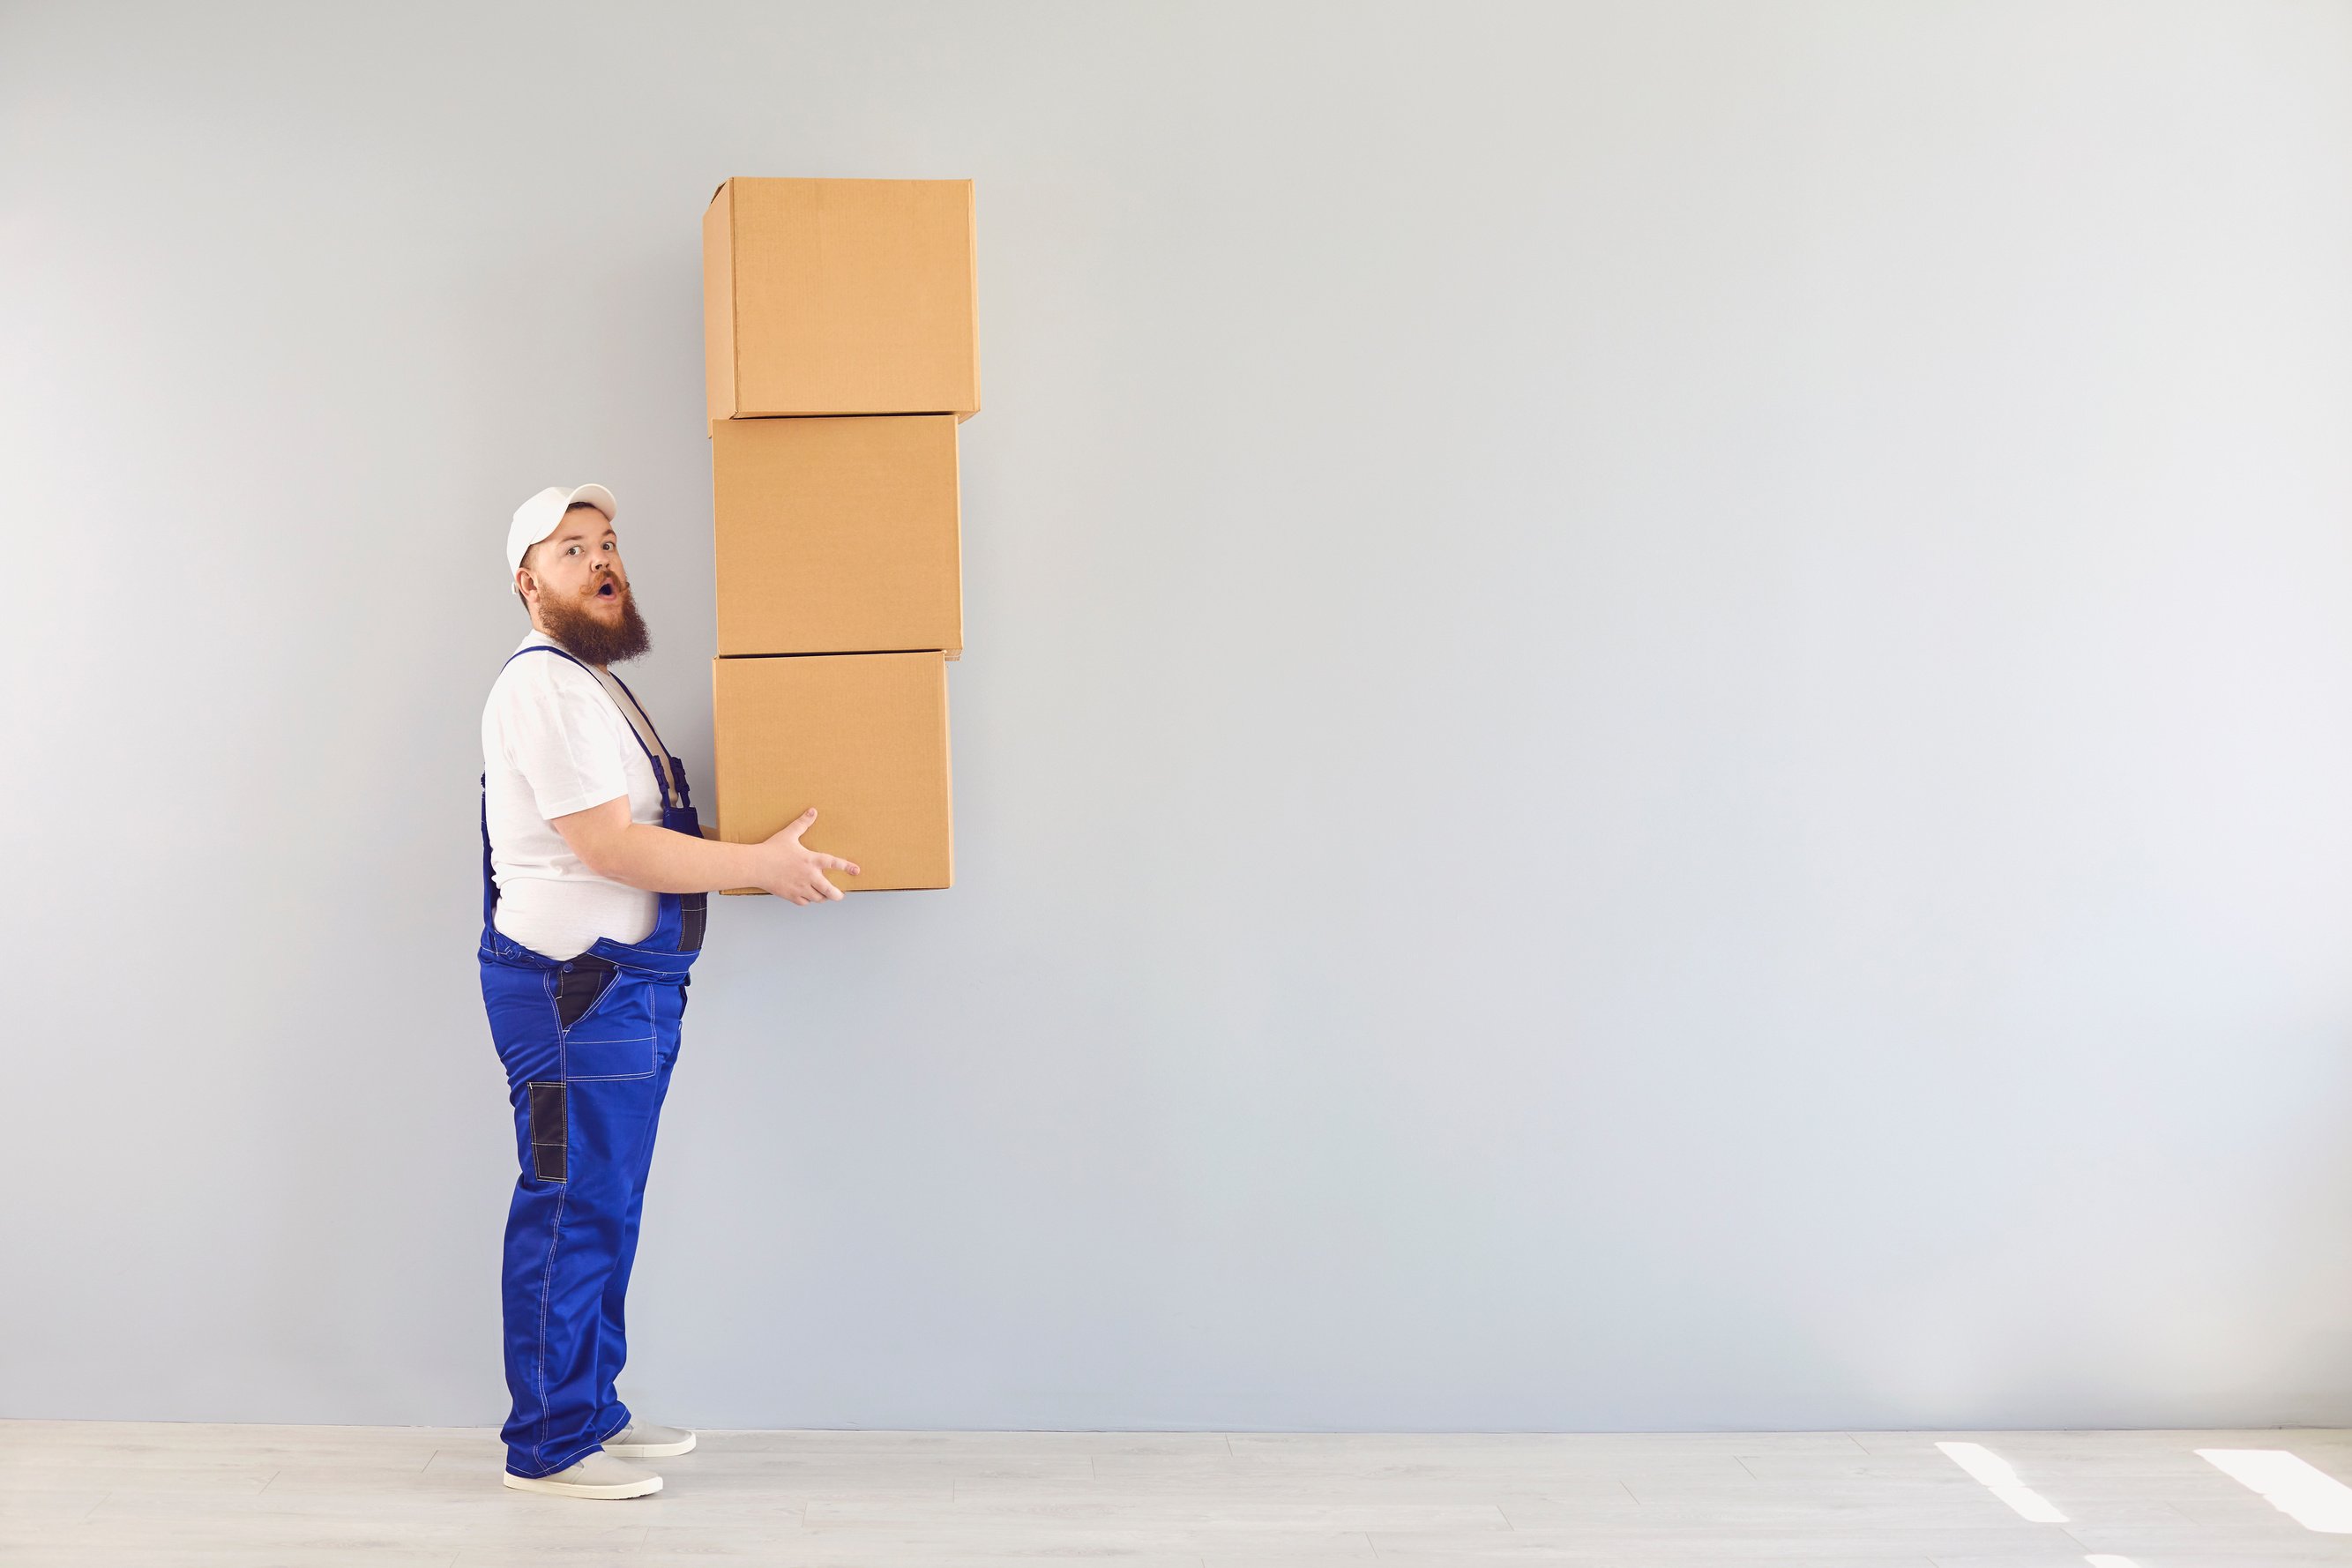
x=659, y=861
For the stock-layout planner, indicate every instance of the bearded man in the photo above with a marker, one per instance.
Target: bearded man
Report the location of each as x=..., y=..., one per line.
x=594, y=872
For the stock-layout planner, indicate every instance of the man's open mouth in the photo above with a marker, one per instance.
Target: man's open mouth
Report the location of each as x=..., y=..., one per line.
x=608, y=589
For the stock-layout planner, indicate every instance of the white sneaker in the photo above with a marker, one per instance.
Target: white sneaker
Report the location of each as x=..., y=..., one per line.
x=643, y=1440
x=597, y=1476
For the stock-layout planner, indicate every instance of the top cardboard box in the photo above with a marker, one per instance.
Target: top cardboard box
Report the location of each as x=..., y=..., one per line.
x=840, y=296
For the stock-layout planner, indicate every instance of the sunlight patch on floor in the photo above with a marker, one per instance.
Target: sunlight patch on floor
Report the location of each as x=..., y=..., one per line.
x=2001, y=1480
x=2297, y=1488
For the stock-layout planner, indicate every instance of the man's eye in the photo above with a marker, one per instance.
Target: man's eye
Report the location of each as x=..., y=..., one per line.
x=574, y=549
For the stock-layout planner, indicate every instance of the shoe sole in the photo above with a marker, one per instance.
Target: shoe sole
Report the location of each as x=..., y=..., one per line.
x=650, y=1450
x=611, y=1492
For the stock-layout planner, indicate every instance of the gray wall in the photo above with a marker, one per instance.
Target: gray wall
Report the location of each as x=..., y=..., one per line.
x=1658, y=734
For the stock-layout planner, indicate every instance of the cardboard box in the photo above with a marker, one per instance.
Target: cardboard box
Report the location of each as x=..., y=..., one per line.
x=840, y=296
x=837, y=535
x=863, y=737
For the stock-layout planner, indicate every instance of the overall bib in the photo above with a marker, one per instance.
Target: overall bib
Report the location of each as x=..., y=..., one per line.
x=588, y=1043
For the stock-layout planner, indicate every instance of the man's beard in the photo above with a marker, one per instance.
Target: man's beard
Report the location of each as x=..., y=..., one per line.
x=575, y=626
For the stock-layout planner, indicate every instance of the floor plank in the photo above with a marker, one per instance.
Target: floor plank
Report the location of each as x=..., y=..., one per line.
x=131, y=1494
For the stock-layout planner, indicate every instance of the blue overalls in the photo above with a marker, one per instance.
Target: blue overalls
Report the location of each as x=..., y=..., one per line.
x=588, y=1043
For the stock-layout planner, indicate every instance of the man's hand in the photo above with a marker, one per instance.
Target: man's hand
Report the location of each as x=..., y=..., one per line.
x=792, y=870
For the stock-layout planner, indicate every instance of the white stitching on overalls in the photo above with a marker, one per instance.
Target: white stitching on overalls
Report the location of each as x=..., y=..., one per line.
x=546, y=1293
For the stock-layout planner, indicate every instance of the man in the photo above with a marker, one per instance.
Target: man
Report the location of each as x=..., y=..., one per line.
x=593, y=876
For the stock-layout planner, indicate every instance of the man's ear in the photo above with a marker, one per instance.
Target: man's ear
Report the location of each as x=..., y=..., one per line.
x=525, y=584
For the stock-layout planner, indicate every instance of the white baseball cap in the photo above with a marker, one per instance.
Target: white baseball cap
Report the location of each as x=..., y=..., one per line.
x=537, y=518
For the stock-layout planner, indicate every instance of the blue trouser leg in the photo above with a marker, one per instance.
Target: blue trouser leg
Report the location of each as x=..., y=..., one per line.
x=586, y=1101
x=614, y=1339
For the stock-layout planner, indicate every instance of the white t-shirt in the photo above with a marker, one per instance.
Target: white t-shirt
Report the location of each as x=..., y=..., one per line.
x=555, y=741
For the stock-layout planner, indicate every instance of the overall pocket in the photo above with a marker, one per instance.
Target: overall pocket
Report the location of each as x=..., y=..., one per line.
x=577, y=989
x=550, y=1132
x=610, y=1034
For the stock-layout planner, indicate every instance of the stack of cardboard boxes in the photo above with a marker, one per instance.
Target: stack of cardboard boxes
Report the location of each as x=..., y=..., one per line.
x=840, y=342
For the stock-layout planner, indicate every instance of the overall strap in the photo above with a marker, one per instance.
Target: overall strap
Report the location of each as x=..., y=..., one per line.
x=641, y=712
x=490, y=875
x=662, y=771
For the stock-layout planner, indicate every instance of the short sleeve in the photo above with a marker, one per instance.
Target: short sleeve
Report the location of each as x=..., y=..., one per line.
x=558, y=730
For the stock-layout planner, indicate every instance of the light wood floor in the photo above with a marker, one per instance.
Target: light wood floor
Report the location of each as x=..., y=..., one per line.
x=128, y=1495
